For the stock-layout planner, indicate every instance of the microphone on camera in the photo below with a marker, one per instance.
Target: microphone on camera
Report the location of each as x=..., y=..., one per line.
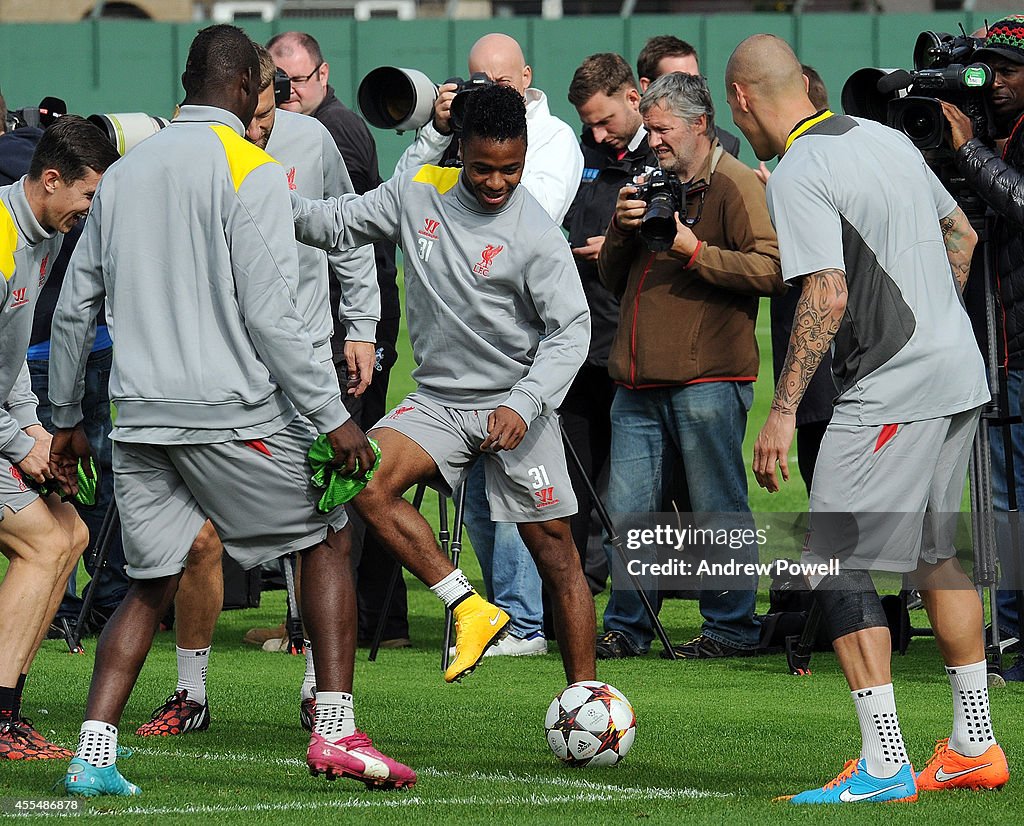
x=894, y=81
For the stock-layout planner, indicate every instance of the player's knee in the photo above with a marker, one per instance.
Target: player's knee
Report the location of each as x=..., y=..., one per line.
x=205, y=547
x=849, y=603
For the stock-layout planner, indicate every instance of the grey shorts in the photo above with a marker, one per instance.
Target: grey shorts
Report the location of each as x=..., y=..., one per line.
x=257, y=494
x=14, y=493
x=528, y=484
x=887, y=497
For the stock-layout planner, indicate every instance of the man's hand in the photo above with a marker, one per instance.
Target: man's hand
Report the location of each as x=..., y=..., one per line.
x=590, y=250
x=763, y=172
x=443, y=108
x=772, y=447
x=36, y=465
x=960, y=125
x=505, y=430
x=68, y=446
x=685, y=242
x=628, y=210
x=359, y=362
x=351, y=450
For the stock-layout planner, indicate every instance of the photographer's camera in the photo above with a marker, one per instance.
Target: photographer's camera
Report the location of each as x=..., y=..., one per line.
x=665, y=195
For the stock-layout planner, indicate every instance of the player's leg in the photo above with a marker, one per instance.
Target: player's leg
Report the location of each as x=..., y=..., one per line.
x=197, y=604
x=531, y=486
x=43, y=540
x=862, y=471
x=550, y=543
x=970, y=757
x=423, y=442
x=159, y=521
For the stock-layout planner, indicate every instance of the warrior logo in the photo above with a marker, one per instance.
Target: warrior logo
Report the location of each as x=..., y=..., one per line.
x=398, y=411
x=430, y=228
x=19, y=297
x=483, y=266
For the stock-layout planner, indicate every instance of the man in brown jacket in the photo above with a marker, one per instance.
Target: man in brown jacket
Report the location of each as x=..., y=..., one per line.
x=685, y=357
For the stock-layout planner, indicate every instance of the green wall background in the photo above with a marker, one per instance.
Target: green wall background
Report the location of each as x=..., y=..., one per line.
x=127, y=66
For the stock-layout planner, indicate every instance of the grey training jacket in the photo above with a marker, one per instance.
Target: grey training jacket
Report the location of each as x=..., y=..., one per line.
x=495, y=309
x=26, y=253
x=190, y=240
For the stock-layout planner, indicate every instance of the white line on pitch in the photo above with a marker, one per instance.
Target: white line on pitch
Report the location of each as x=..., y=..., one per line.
x=534, y=780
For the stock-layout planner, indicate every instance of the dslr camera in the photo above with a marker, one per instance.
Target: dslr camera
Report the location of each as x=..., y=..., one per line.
x=908, y=101
x=402, y=99
x=665, y=195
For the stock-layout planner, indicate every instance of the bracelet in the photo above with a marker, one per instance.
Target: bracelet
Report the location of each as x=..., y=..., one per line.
x=694, y=256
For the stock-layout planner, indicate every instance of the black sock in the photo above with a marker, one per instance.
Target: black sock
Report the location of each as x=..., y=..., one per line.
x=6, y=704
x=19, y=689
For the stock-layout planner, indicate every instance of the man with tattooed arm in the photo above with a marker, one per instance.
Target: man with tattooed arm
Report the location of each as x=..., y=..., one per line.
x=880, y=252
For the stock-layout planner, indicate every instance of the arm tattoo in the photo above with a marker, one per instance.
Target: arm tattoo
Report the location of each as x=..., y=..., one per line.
x=958, y=237
x=818, y=313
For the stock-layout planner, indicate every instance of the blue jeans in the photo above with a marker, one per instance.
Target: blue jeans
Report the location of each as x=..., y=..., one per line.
x=113, y=582
x=702, y=425
x=510, y=574
x=1011, y=557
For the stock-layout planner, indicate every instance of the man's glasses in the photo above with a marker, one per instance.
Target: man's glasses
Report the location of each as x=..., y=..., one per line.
x=298, y=81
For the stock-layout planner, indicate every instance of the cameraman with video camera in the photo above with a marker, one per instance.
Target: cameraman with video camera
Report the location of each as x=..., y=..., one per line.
x=997, y=175
x=684, y=356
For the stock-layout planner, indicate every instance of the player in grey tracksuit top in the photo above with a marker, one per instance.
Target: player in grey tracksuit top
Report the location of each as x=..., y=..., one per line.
x=496, y=314
x=315, y=169
x=231, y=361
x=41, y=536
x=499, y=327
x=191, y=241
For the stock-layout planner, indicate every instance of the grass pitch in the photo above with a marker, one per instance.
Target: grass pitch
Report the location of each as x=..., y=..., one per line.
x=716, y=741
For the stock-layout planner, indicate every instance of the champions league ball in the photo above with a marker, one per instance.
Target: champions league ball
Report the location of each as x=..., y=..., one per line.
x=590, y=724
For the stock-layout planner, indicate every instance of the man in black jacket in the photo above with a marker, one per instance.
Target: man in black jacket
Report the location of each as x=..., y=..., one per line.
x=615, y=151
x=998, y=176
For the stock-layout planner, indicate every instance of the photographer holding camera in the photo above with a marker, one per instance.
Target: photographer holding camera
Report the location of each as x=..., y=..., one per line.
x=998, y=176
x=684, y=356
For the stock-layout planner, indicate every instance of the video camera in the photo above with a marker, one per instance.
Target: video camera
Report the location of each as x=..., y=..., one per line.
x=909, y=101
x=666, y=196
x=41, y=116
x=402, y=99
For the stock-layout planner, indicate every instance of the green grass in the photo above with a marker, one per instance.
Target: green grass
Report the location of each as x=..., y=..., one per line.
x=716, y=740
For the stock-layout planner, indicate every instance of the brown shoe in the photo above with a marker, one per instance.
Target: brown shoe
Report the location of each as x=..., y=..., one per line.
x=258, y=636
x=396, y=642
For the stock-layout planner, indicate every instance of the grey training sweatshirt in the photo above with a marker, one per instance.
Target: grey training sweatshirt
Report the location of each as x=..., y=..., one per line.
x=190, y=240
x=26, y=253
x=495, y=309
x=315, y=169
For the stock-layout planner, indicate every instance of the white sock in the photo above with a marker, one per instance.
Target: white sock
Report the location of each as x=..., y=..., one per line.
x=972, y=722
x=335, y=716
x=453, y=588
x=882, y=741
x=192, y=665
x=308, y=690
x=97, y=743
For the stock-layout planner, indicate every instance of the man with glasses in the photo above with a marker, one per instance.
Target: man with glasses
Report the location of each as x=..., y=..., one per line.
x=684, y=356
x=298, y=55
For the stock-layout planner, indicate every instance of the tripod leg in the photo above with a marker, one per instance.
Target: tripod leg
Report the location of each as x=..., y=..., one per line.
x=798, y=656
x=100, y=552
x=456, y=550
x=616, y=543
x=293, y=624
x=385, y=609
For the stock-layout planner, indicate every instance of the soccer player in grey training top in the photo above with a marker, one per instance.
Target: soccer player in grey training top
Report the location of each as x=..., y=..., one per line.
x=881, y=252
x=191, y=242
x=499, y=326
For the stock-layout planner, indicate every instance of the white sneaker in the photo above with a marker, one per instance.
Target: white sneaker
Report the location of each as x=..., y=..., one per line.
x=513, y=646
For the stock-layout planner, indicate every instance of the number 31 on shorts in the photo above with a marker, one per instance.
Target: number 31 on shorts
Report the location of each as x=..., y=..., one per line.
x=539, y=476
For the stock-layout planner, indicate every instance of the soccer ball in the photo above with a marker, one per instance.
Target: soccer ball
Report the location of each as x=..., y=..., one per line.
x=590, y=724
